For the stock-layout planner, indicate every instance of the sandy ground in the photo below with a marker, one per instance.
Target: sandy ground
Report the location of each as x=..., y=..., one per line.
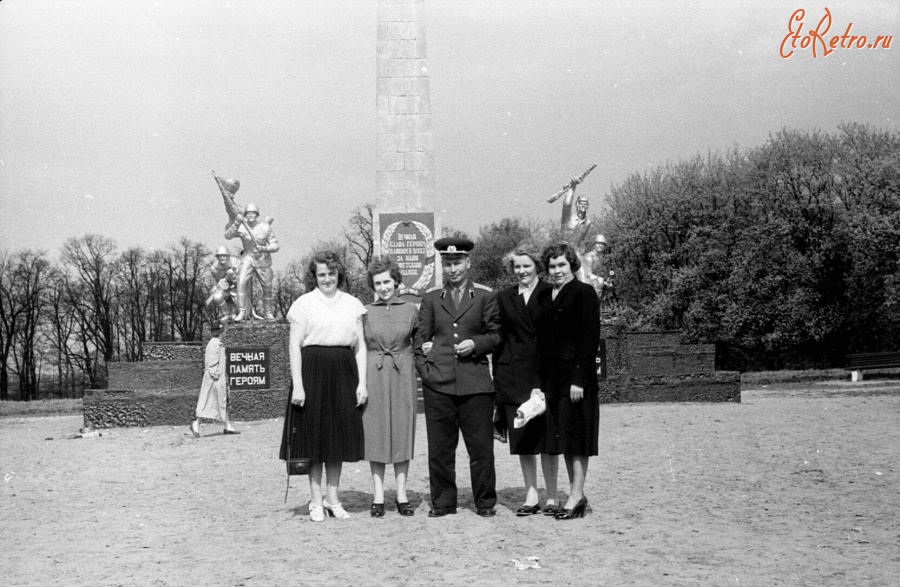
x=794, y=486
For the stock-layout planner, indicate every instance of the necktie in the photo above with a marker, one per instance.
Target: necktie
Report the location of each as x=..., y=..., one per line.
x=457, y=296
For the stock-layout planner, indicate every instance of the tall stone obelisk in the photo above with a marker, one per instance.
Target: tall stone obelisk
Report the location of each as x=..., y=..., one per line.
x=405, y=224
x=405, y=163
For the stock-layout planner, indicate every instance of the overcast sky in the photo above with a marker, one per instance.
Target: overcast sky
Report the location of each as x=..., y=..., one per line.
x=113, y=114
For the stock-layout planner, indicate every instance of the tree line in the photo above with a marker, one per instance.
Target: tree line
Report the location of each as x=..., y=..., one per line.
x=784, y=255
x=62, y=321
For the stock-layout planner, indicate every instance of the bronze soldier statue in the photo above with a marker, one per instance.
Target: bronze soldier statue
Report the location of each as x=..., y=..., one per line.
x=259, y=243
x=224, y=272
x=574, y=223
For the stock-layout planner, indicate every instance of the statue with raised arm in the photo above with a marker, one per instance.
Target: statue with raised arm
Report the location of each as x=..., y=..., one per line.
x=574, y=223
x=259, y=243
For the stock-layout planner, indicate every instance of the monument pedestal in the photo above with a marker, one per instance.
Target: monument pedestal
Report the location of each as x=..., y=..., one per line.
x=164, y=389
x=257, y=369
x=656, y=367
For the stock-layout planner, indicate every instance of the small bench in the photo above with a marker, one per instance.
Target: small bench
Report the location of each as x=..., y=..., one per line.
x=861, y=361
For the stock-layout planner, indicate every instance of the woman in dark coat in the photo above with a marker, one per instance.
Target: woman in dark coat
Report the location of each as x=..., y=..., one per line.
x=515, y=362
x=568, y=337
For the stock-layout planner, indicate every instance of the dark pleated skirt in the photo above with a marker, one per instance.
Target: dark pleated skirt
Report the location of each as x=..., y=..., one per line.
x=328, y=428
x=529, y=439
x=573, y=428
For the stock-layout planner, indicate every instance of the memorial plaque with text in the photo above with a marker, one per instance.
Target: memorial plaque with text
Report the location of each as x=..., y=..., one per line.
x=247, y=368
x=408, y=238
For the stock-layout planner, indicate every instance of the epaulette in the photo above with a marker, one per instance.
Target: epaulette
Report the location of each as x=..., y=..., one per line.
x=484, y=287
x=435, y=288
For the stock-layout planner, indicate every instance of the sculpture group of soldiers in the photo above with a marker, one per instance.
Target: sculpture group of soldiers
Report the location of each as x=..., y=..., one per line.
x=233, y=276
x=575, y=226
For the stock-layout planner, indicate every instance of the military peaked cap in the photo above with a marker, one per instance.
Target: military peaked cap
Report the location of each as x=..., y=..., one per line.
x=454, y=246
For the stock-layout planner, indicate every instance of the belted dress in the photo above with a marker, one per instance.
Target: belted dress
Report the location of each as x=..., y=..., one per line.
x=389, y=418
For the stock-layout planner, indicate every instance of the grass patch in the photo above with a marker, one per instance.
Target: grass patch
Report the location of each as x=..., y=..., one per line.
x=768, y=377
x=44, y=407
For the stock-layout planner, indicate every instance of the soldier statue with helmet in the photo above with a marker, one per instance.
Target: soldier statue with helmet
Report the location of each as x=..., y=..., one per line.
x=256, y=260
x=259, y=243
x=223, y=272
x=574, y=223
x=594, y=268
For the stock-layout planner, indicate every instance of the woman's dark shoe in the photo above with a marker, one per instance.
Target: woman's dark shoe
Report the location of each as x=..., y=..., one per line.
x=377, y=510
x=528, y=510
x=405, y=508
x=551, y=509
x=575, y=512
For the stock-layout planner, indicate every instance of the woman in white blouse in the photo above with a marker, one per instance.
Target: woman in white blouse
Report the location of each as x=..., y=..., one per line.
x=328, y=354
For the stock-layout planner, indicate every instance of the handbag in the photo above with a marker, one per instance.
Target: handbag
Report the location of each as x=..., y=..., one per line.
x=295, y=466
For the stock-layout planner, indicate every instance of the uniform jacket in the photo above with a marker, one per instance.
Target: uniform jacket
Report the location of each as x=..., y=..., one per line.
x=516, y=357
x=259, y=245
x=445, y=325
x=568, y=338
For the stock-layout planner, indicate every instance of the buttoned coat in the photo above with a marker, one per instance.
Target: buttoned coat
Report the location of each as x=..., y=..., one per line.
x=516, y=357
x=442, y=323
x=568, y=338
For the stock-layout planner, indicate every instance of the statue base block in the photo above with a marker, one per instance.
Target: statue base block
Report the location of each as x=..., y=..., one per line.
x=263, y=402
x=656, y=367
x=164, y=390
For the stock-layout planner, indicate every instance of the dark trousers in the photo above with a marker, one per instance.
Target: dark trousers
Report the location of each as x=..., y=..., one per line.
x=445, y=417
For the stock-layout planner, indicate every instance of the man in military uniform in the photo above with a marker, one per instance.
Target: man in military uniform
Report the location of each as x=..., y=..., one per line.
x=259, y=244
x=462, y=319
x=224, y=272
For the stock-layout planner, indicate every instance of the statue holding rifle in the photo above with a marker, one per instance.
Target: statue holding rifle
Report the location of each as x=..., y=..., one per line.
x=256, y=257
x=574, y=223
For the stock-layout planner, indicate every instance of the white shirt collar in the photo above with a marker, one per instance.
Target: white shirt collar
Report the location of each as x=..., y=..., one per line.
x=526, y=292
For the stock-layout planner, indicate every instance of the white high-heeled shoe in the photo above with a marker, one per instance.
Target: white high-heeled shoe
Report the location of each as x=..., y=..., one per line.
x=316, y=513
x=335, y=511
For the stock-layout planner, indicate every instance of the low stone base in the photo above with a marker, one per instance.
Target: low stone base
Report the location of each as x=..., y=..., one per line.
x=722, y=386
x=108, y=408
x=165, y=392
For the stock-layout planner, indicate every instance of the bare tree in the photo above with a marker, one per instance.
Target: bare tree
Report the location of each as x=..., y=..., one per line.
x=359, y=235
x=10, y=310
x=289, y=286
x=90, y=262
x=31, y=281
x=135, y=293
x=59, y=331
x=158, y=300
x=186, y=262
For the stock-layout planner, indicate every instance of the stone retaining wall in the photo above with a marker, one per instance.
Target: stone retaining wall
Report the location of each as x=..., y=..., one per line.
x=108, y=408
x=167, y=374
x=656, y=367
x=174, y=351
x=640, y=367
x=164, y=390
